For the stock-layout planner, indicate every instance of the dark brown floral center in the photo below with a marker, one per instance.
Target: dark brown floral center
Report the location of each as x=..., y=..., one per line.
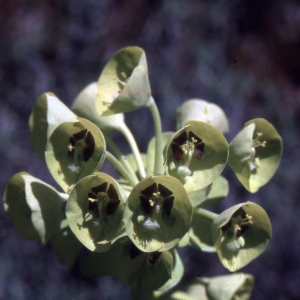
x=156, y=197
x=235, y=228
x=104, y=199
x=187, y=144
x=82, y=144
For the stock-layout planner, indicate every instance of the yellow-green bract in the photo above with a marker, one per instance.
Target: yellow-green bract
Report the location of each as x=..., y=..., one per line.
x=240, y=234
x=74, y=150
x=196, y=155
x=94, y=211
x=255, y=154
x=123, y=84
x=157, y=213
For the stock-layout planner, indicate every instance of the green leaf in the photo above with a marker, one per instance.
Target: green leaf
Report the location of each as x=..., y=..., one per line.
x=157, y=213
x=215, y=193
x=84, y=106
x=218, y=192
x=97, y=264
x=94, y=211
x=176, y=276
x=240, y=234
x=198, y=197
x=255, y=154
x=47, y=114
x=33, y=206
x=74, y=150
x=201, y=110
x=200, y=236
x=196, y=155
x=123, y=84
x=144, y=271
x=64, y=243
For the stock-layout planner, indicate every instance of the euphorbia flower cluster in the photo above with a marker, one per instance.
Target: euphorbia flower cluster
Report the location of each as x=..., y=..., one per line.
x=131, y=225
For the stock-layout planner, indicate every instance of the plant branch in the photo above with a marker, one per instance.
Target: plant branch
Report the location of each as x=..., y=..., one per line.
x=120, y=167
x=158, y=163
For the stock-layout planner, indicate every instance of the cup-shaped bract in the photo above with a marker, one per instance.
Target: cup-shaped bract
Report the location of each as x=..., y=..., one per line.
x=74, y=150
x=84, y=106
x=201, y=110
x=240, y=234
x=196, y=155
x=225, y=287
x=233, y=286
x=255, y=153
x=123, y=85
x=144, y=271
x=47, y=114
x=157, y=213
x=33, y=206
x=94, y=211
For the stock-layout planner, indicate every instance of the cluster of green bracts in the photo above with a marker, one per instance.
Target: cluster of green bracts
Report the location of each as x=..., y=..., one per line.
x=132, y=224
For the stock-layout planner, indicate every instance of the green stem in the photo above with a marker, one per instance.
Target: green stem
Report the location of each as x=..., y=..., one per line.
x=206, y=213
x=121, y=157
x=120, y=167
x=158, y=164
x=134, y=148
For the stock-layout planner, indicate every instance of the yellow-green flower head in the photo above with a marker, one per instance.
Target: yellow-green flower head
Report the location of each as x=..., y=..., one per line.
x=74, y=150
x=255, y=154
x=196, y=155
x=157, y=213
x=201, y=110
x=240, y=234
x=94, y=210
x=123, y=84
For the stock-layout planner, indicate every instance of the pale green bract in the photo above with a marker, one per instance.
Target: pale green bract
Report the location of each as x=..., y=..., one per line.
x=123, y=84
x=196, y=155
x=201, y=110
x=157, y=213
x=255, y=154
x=240, y=234
x=74, y=150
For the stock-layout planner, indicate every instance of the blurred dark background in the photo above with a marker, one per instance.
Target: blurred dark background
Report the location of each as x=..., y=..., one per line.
x=240, y=54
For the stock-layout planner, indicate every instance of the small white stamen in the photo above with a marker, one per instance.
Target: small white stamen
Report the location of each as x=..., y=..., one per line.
x=151, y=225
x=74, y=169
x=183, y=171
